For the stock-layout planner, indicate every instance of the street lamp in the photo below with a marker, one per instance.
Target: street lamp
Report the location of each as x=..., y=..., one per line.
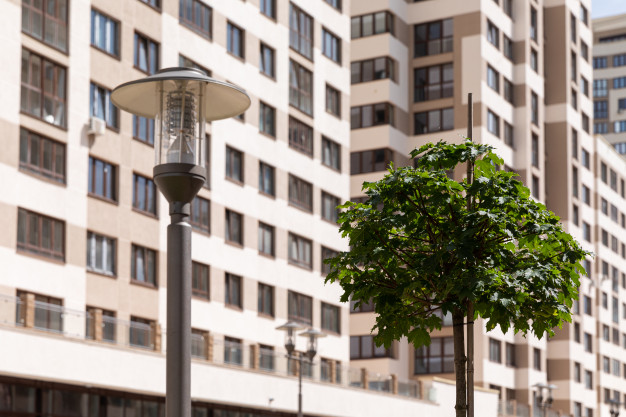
x=182, y=101
x=614, y=404
x=311, y=349
x=544, y=402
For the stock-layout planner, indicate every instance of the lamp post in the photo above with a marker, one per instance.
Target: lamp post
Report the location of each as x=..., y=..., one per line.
x=544, y=401
x=614, y=410
x=181, y=100
x=290, y=344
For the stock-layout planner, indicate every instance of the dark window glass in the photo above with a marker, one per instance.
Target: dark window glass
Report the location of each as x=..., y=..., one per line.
x=46, y=21
x=266, y=239
x=330, y=211
x=493, y=34
x=143, y=263
x=266, y=179
x=372, y=69
x=433, y=121
x=101, y=253
x=105, y=33
x=232, y=291
x=300, y=193
x=300, y=308
x=433, y=38
x=146, y=54
x=266, y=299
x=327, y=253
x=233, y=351
x=101, y=105
x=43, y=89
x=200, y=216
x=154, y=3
x=268, y=8
x=140, y=332
x=42, y=156
x=372, y=115
x=235, y=40
x=234, y=227
x=370, y=161
x=432, y=83
x=331, y=46
x=436, y=358
x=41, y=235
x=300, y=136
x=331, y=154
x=144, y=194
x=300, y=251
x=200, y=280
x=234, y=164
x=102, y=179
x=197, y=16
x=143, y=129
x=331, y=318
x=300, y=88
x=267, y=61
x=300, y=31
x=333, y=101
x=267, y=119
x=372, y=24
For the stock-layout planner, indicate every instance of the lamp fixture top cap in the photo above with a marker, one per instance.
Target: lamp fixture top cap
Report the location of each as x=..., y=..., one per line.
x=142, y=97
x=291, y=325
x=313, y=333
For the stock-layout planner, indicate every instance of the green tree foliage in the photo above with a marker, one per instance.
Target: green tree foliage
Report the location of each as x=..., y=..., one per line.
x=424, y=242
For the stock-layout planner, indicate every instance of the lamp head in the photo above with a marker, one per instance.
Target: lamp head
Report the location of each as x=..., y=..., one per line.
x=312, y=336
x=290, y=329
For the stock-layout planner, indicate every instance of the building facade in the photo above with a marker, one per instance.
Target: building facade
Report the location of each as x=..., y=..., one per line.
x=83, y=287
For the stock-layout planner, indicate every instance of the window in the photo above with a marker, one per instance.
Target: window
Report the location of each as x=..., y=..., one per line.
x=493, y=34
x=584, y=51
x=102, y=179
x=300, y=193
x=600, y=88
x=493, y=78
x=101, y=105
x=143, y=262
x=604, y=206
x=331, y=318
x=334, y=3
x=365, y=307
x=613, y=180
x=509, y=354
x=266, y=357
x=268, y=8
x=154, y=3
x=372, y=24
x=584, y=16
x=372, y=115
x=41, y=235
x=587, y=305
x=534, y=104
x=495, y=350
x=46, y=21
x=534, y=189
x=507, y=47
x=577, y=332
x=300, y=136
x=436, y=358
x=536, y=359
x=331, y=46
x=603, y=172
x=266, y=300
x=183, y=61
x=621, y=104
x=577, y=372
x=300, y=251
x=584, y=86
x=100, y=254
x=599, y=62
x=331, y=154
x=233, y=351
x=232, y=290
x=266, y=179
x=588, y=379
x=508, y=134
x=235, y=40
x=372, y=69
x=434, y=121
x=326, y=254
x=534, y=60
x=619, y=82
x=534, y=158
x=234, y=164
x=197, y=16
x=198, y=344
x=433, y=38
x=105, y=33
x=108, y=324
x=144, y=194
x=48, y=312
x=586, y=195
x=333, y=101
x=300, y=31
x=266, y=239
x=200, y=217
x=146, y=54
x=576, y=221
x=606, y=365
x=435, y=82
x=42, y=156
x=600, y=109
x=534, y=30
x=619, y=60
x=507, y=6
x=200, y=280
x=234, y=227
x=493, y=123
x=578, y=409
x=43, y=87
x=300, y=88
x=606, y=335
x=330, y=211
x=143, y=129
x=374, y=160
x=267, y=62
x=619, y=126
x=363, y=347
x=573, y=22
x=300, y=308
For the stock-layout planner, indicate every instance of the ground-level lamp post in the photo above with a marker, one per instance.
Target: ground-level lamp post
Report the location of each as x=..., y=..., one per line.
x=614, y=410
x=544, y=401
x=312, y=335
x=182, y=101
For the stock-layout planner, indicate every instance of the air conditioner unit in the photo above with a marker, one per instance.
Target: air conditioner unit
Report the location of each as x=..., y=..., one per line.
x=97, y=126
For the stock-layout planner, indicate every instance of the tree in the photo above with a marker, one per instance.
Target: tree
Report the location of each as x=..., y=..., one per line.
x=424, y=242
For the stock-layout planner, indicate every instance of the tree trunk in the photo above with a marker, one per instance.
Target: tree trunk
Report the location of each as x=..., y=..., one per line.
x=458, y=328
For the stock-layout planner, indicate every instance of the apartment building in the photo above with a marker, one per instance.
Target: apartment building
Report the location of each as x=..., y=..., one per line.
x=83, y=289
x=529, y=66
x=609, y=67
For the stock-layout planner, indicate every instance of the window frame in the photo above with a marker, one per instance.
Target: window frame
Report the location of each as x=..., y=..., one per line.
x=358, y=160
x=150, y=193
x=116, y=34
x=444, y=358
x=27, y=138
x=55, y=19
x=230, y=229
x=263, y=186
x=300, y=193
x=331, y=151
x=331, y=46
x=233, y=290
x=191, y=23
x=265, y=291
x=425, y=130
x=361, y=76
x=303, y=245
x=264, y=230
x=271, y=14
x=267, y=68
x=388, y=27
x=445, y=40
x=152, y=48
x=431, y=90
x=330, y=324
x=301, y=38
x=110, y=113
x=25, y=218
x=333, y=101
x=333, y=215
x=92, y=248
x=302, y=311
x=357, y=114
x=196, y=214
x=150, y=275
x=233, y=172
x=236, y=50
x=301, y=136
x=199, y=272
x=109, y=180
x=267, y=114
x=300, y=88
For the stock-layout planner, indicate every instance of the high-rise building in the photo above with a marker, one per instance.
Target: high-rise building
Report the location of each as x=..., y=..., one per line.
x=82, y=247
x=528, y=65
x=609, y=84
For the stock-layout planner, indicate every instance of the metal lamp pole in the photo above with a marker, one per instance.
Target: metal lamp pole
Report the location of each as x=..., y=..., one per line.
x=290, y=344
x=544, y=402
x=614, y=404
x=181, y=100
